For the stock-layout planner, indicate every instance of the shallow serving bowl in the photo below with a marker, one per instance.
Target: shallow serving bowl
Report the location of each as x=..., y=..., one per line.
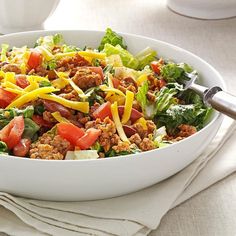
x=103, y=178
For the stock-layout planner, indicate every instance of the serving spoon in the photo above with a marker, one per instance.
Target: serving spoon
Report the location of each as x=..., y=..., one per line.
x=214, y=96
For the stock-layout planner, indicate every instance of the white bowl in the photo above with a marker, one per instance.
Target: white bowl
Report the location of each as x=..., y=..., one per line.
x=204, y=9
x=23, y=15
x=110, y=177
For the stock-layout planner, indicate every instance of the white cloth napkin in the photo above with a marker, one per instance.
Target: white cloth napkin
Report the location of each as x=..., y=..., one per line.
x=133, y=214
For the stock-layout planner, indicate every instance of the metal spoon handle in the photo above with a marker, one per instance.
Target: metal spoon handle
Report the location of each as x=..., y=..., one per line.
x=224, y=103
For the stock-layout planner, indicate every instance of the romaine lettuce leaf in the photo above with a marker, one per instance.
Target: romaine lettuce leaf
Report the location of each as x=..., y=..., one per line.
x=112, y=38
x=164, y=99
x=127, y=58
x=145, y=57
x=178, y=114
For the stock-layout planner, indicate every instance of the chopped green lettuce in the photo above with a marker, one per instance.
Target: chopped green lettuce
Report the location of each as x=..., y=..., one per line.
x=173, y=72
x=31, y=128
x=4, y=52
x=127, y=58
x=70, y=48
x=164, y=99
x=113, y=39
x=176, y=115
x=49, y=41
x=3, y=147
x=145, y=57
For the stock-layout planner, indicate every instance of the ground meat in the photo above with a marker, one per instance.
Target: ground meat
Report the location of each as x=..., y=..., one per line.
x=135, y=139
x=147, y=145
x=11, y=68
x=86, y=79
x=72, y=64
x=150, y=126
x=101, y=154
x=82, y=118
x=108, y=137
x=128, y=83
x=153, y=84
x=93, y=108
x=186, y=130
x=121, y=146
x=67, y=89
x=140, y=130
x=73, y=96
x=48, y=117
x=151, y=97
x=49, y=147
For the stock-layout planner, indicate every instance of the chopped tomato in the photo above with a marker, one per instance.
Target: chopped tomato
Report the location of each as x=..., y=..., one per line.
x=41, y=122
x=22, y=81
x=155, y=65
x=35, y=59
x=97, y=70
x=12, y=132
x=103, y=111
x=135, y=114
x=6, y=98
x=88, y=139
x=70, y=132
x=116, y=82
x=22, y=148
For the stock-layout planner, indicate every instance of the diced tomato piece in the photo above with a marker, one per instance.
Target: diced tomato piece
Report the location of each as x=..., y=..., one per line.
x=88, y=139
x=6, y=98
x=22, y=148
x=12, y=132
x=162, y=83
x=41, y=122
x=103, y=111
x=116, y=82
x=70, y=132
x=97, y=70
x=22, y=81
x=35, y=59
x=155, y=65
x=135, y=114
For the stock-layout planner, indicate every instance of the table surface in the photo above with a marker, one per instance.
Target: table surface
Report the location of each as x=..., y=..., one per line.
x=213, y=211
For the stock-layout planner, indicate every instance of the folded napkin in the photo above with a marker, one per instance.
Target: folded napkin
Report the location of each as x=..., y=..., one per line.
x=133, y=214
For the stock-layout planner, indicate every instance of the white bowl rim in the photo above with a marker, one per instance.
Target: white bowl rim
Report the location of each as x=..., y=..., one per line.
x=218, y=116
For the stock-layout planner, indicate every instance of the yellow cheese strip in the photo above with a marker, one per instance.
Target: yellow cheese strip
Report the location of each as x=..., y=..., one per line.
x=10, y=76
x=37, y=78
x=92, y=54
x=2, y=74
x=143, y=122
x=116, y=119
x=76, y=88
x=8, y=84
x=89, y=54
x=33, y=85
x=79, y=106
x=27, y=97
x=141, y=79
x=16, y=91
x=46, y=53
x=128, y=107
x=59, y=118
x=110, y=83
x=112, y=90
